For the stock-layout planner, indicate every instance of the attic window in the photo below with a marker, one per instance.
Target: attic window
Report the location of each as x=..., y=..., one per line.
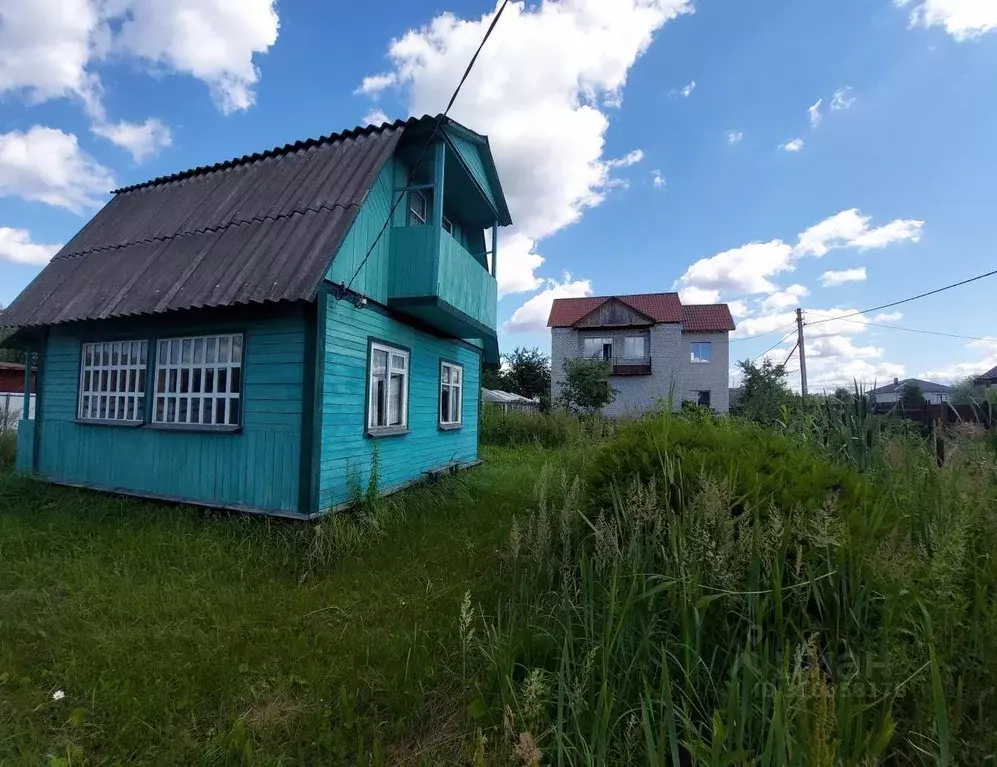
x=418, y=207
x=448, y=225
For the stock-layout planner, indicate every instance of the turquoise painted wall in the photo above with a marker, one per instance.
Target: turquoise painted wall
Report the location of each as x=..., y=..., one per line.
x=469, y=153
x=345, y=452
x=372, y=280
x=25, y=446
x=256, y=468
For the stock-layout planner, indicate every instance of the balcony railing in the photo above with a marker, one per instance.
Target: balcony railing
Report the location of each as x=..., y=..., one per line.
x=628, y=366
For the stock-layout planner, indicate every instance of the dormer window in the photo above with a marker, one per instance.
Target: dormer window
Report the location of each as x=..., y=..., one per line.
x=417, y=207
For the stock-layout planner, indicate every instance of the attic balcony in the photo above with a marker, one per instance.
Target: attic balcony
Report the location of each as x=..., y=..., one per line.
x=631, y=366
x=432, y=278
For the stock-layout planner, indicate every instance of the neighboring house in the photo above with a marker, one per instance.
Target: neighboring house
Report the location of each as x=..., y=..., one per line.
x=239, y=336
x=934, y=393
x=657, y=348
x=988, y=379
x=508, y=402
x=11, y=376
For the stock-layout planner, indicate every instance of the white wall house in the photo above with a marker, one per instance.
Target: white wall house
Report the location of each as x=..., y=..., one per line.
x=934, y=393
x=657, y=347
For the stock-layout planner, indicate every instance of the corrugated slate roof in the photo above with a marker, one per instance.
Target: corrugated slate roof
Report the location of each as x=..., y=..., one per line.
x=660, y=307
x=990, y=375
x=258, y=228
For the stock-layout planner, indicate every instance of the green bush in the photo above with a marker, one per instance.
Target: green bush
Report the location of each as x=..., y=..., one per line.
x=551, y=429
x=755, y=462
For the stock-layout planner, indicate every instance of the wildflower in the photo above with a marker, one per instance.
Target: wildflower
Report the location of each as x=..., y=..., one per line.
x=58, y=695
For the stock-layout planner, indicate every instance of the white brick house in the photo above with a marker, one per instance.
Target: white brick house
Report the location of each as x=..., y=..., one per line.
x=657, y=348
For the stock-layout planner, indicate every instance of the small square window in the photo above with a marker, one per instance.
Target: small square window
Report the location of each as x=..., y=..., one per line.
x=703, y=398
x=702, y=351
x=448, y=225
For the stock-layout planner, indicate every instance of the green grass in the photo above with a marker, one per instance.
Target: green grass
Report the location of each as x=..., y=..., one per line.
x=185, y=636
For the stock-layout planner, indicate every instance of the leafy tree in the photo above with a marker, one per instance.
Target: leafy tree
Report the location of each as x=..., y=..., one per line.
x=966, y=392
x=586, y=386
x=527, y=373
x=493, y=378
x=764, y=391
x=911, y=395
x=843, y=395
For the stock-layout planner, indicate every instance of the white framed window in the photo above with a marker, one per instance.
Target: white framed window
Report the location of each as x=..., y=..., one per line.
x=387, y=406
x=633, y=347
x=112, y=381
x=418, y=207
x=702, y=351
x=600, y=348
x=199, y=381
x=448, y=225
x=451, y=394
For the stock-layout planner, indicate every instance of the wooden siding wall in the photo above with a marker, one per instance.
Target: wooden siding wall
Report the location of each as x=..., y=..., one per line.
x=345, y=452
x=256, y=468
x=613, y=314
x=372, y=280
x=469, y=153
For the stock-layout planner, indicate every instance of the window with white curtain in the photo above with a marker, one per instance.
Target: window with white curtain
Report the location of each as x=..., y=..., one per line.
x=112, y=381
x=387, y=407
x=451, y=394
x=633, y=347
x=199, y=381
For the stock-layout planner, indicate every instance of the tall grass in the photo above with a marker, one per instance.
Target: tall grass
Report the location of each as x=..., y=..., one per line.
x=551, y=429
x=715, y=593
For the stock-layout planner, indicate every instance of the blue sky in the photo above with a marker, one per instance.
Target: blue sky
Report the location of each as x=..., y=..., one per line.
x=644, y=144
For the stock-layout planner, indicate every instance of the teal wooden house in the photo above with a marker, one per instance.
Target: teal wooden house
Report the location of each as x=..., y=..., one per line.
x=248, y=335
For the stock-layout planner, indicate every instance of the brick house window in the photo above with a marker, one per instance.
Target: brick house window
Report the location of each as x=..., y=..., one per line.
x=703, y=398
x=702, y=351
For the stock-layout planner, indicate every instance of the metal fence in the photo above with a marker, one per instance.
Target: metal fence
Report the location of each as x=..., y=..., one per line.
x=11, y=407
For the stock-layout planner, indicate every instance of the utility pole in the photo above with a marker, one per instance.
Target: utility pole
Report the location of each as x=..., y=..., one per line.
x=803, y=353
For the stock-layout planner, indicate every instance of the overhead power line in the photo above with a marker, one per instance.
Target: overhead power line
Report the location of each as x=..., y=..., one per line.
x=917, y=330
x=429, y=143
x=777, y=343
x=905, y=300
x=766, y=333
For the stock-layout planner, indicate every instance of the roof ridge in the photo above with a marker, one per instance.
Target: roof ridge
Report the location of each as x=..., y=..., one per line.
x=206, y=230
x=277, y=151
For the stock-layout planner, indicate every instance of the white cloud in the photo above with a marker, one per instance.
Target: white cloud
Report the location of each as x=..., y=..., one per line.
x=887, y=317
x=376, y=117
x=792, y=146
x=683, y=92
x=630, y=158
x=540, y=90
x=140, y=139
x=532, y=316
x=48, y=47
x=518, y=262
x=851, y=229
x=16, y=246
x=749, y=268
x=737, y=308
x=735, y=137
x=740, y=270
x=372, y=85
x=658, y=179
x=784, y=298
x=958, y=371
x=47, y=165
x=694, y=295
x=814, y=111
x=842, y=99
x=963, y=19
x=753, y=326
x=832, y=278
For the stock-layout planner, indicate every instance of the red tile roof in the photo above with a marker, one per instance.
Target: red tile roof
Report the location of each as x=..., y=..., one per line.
x=660, y=307
x=706, y=318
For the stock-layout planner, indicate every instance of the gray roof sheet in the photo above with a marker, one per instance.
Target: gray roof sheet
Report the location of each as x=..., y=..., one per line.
x=927, y=387
x=494, y=395
x=260, y=228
